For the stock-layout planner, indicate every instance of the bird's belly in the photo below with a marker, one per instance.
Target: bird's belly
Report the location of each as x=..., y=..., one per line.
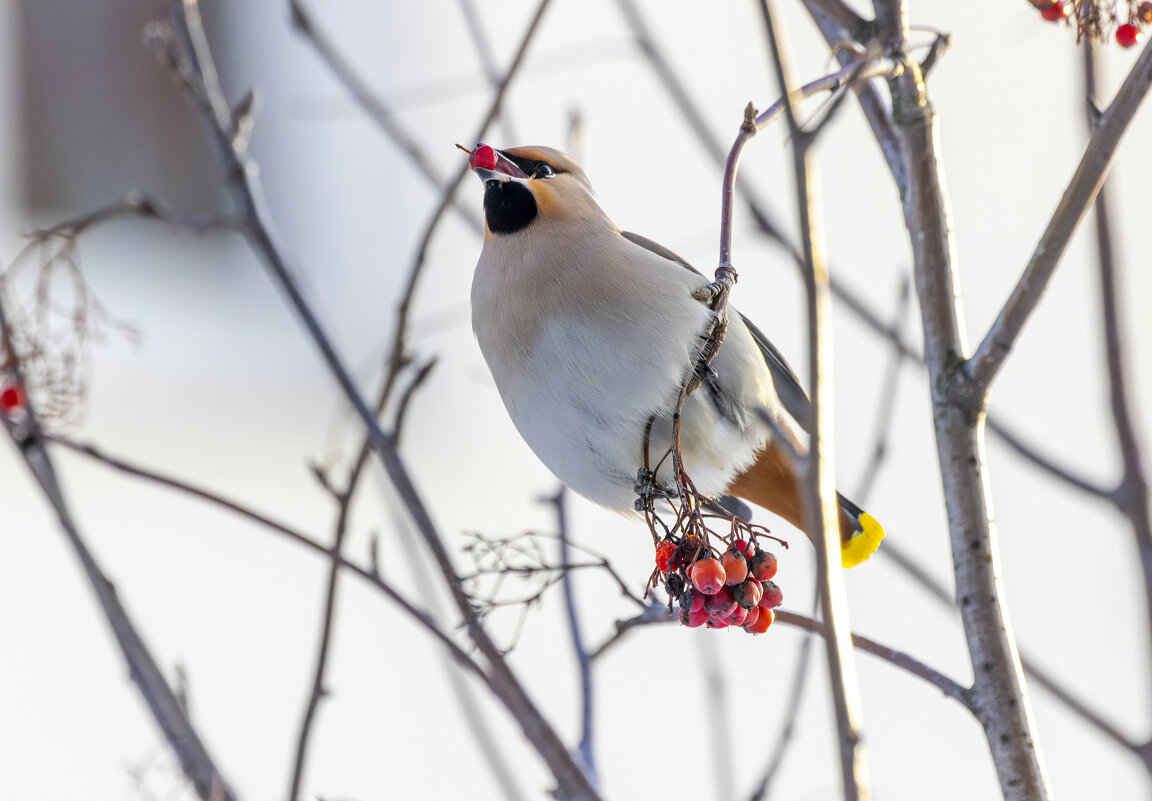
x=583, y=405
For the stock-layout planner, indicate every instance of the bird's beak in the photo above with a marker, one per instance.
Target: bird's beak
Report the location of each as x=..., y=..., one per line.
x=490, y=164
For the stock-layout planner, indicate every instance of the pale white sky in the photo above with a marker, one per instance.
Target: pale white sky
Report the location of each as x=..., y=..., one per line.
x=224, y=390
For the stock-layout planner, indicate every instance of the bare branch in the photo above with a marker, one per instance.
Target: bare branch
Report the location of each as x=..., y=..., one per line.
x=655, y=613
x=725, y=274
x=319, y=691
x=164, y=703
x=981, y=369
x=659, y=615
x=1132, y=495
x=141, y=205
x=947, y=686
x=791, y=714
x=215, y=499
x=999, y=692
x=372, y=103
x=1046, y=463
x=820, y=501
x=194, y=58
x=583, y=663
x=887, y=405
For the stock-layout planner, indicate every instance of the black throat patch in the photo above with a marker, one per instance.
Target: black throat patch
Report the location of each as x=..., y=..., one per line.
x=508, y=206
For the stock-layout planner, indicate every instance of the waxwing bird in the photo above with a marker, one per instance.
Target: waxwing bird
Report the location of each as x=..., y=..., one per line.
x=590, y=332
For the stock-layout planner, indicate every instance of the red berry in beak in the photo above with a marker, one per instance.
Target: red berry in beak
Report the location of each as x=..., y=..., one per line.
x=11, y=399
x=483, y=157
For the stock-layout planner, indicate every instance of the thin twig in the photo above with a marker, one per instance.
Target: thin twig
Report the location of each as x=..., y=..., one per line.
x=237, y=508
x=791, y=715
x=820, y=497
x=142, y=205
x=194, y=58
x=372, y=104
x=487, y=62
x=319, y=691
x=714, y=700
x=583, y=663
x=984, y=365
x=859, y=71
x=837, y=22
x=659, y=615
x=1000, y=689
x=886, y=409
x=915, y=667
x=655, y=613
x=1034, y=669
x=164, y=703
x=1046, y=463
x=344, y=503
x=1132, y=495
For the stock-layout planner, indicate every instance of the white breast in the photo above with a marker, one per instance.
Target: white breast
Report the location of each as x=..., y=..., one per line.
x=587, y=343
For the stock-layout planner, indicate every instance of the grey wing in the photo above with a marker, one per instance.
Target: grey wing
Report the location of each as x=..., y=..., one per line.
x=787, y=385
x=791, y=394
x=658, y=249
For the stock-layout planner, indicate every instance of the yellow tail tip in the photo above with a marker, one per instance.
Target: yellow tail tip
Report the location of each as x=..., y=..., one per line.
x=864, y=544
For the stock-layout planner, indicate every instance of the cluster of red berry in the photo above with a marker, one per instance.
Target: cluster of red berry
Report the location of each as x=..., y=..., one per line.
x=11, y=399
x=1094, y=21
x=734, y=590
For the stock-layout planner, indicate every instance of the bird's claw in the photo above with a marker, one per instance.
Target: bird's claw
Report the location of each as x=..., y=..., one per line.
x=716, y=293
x=709, y=292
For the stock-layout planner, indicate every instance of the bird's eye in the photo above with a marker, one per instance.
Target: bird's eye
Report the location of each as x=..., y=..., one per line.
x=543, y=170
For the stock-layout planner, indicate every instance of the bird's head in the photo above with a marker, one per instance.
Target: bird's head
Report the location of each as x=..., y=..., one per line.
x=526, y=186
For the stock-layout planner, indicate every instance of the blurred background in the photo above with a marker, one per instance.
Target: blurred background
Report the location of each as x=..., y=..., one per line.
x=202, y=372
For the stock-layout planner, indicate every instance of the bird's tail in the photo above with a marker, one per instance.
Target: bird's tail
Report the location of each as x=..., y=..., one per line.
x=771, y=483
x=861, y=537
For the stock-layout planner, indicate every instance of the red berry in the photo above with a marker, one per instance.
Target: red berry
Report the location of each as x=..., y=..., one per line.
x=763, y=565
x=483, y=157
x=1056, y=11
x=1144, y=12
x=738, y=617
x=693, y=618
x=753, y=613
x=761, y=623
x=666, y=556
x=691, y=600
x=744, y=547
x=715, y=623
x=735, y=568
x=11, y=399
x=773, y=596
x=721, y=604
x=1128, y=35
x=707, y=576
x=748, y=593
